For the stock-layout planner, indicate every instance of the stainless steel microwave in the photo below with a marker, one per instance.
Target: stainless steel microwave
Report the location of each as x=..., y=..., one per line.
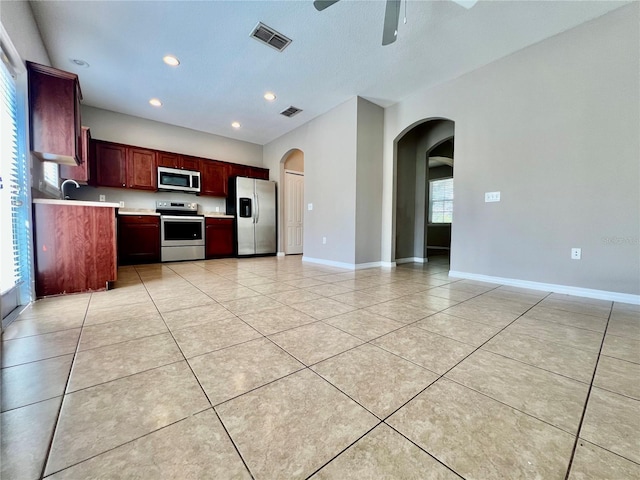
x=175, y=179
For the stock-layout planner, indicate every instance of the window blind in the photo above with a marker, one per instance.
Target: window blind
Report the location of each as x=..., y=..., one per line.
x=15, y=235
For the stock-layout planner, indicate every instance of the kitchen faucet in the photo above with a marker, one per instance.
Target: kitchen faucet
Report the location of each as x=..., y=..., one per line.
x=62, y=195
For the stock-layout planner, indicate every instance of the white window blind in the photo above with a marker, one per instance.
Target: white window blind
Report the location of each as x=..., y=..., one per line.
x=14, y=200
x=441, y=200
x=51, y=173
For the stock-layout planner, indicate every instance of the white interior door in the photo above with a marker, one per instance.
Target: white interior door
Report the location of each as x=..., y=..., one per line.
x=293, y=211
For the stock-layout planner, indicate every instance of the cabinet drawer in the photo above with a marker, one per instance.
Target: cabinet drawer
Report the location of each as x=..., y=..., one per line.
x=138, y=219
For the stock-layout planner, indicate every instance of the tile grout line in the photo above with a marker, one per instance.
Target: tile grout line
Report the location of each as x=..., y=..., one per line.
x=64, y=394
x=202, y=388
x=586, y=401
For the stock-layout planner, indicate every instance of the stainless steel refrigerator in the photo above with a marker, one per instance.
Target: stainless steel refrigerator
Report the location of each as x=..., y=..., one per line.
x=253, y=202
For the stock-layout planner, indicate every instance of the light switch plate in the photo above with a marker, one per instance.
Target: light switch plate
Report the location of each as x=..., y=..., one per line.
x=310, y=206
x=491, y=197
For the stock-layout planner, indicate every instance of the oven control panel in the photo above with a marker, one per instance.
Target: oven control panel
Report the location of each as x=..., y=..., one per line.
x=167, y=206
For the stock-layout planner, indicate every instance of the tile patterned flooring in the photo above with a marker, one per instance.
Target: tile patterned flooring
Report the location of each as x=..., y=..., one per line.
x=269, y=368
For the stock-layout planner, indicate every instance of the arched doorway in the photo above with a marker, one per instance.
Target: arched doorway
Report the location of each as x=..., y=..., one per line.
x=292, y=210
x=424, y=190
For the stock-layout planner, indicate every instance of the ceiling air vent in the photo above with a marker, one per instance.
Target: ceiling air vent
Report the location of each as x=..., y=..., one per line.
x=269, y=36
x=291, y=111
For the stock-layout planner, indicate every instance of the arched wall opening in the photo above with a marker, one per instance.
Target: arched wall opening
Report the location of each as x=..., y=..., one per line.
x=291, y=209
x=423, y=152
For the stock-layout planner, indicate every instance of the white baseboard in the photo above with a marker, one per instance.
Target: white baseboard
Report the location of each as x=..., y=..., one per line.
x=551, y=287
x=388, y=264
x=280, y=254
x=348, y=266
x=410, y=260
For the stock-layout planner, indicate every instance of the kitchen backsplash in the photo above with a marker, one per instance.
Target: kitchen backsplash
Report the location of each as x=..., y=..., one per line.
x=142, y=199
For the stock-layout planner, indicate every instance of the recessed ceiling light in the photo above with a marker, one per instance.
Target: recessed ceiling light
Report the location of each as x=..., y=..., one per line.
x=171, y=60
x=270, y=96
x=155, y=102
x=236, y=125
x=79, y=62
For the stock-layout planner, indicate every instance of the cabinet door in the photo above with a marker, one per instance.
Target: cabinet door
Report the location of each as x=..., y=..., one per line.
x=111, y=165
x=236, y=170
x=138, y=239
x=261, y=173
x=219, y=237
x=190, y=163
x=166, y=159
x=54, y=114
x=82, y=172
x=213, y=177
x=141, y=169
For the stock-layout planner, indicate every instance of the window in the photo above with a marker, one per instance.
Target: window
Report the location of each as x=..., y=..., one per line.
x=50, y=171
x=15, y=201
x=441, y=200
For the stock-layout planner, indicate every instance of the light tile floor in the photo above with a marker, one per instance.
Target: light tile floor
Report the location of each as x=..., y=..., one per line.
x=270, y=368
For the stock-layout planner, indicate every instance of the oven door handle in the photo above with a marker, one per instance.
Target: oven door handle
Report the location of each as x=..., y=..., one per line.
x=185, y=218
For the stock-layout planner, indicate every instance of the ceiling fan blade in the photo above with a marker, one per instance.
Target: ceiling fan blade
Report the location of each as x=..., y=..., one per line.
x=391, y=17
x=466, y=3
x=322, y=4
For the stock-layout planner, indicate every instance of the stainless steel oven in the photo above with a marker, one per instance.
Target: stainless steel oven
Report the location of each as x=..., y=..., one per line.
x=181, y=232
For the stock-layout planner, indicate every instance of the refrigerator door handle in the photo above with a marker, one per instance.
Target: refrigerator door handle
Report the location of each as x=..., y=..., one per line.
x=257, y=216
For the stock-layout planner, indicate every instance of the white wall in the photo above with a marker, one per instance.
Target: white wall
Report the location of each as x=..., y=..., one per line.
x=329, y=146
x=368, y=180
x=555, y=128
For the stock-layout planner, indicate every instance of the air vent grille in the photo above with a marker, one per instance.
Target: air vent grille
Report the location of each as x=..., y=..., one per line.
x=291, y=111
x=269, y=36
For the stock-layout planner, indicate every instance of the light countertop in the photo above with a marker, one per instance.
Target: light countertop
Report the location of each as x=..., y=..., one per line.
x=75, y=203
x=217, y=215
x=137, y=211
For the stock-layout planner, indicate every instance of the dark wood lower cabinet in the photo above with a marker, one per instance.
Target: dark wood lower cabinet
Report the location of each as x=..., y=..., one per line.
x=75, y=248
x=138, y=239
x=219, y=237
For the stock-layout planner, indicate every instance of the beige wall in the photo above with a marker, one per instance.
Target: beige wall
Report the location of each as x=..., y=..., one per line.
x=553, y=127
x=118, y=127
x=329, y=146
x=368, y=181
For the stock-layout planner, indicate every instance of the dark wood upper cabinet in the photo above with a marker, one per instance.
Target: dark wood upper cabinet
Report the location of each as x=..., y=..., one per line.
x=54, y=114
x=237, y=170
x=126, y=166
x=80, y=173
x=190, y=163
x=213, y=176
x=261, y=173
x=141, y=168
x=110, y=164
x=175, y=160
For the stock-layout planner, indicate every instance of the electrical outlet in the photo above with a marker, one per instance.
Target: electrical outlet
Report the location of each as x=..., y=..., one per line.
x=324, y=240
x=121, y=204
x=310, y=206
x=576, y=253
x=492, y=197
x=217, y=209
x=103, y=198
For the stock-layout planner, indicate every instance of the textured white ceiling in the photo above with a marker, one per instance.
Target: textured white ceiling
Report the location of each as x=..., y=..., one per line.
x=335, y=54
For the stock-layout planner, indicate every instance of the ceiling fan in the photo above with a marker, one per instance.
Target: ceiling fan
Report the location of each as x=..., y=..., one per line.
x=391, y=16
